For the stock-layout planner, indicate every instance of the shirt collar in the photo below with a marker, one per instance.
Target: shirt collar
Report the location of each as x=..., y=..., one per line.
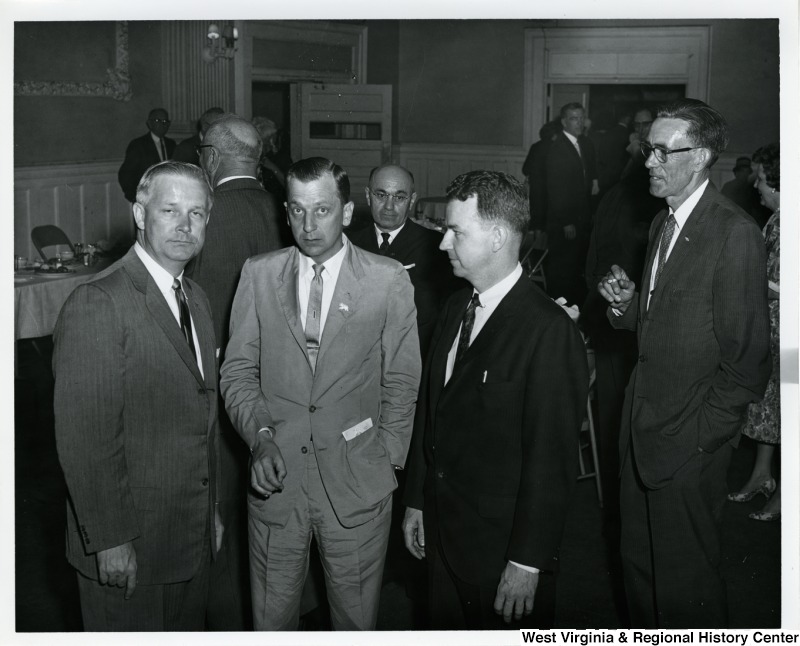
x=161, y=276
x=156, y=138
x=685, y=209
x=571, y=137
x=392, y=234
x=232, y=177
x=332, y=264
x=491, y=297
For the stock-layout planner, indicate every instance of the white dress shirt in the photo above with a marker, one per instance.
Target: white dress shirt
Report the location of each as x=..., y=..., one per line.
x=681, y=215
x=233, y=177
x=163, y=280
x=330, y=274
x=392, y=234
x=490, y=299
x=158, y=141
x=574, y=141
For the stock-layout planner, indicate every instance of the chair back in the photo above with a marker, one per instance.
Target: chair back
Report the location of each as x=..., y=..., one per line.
x=531, y=257
x=49, y=235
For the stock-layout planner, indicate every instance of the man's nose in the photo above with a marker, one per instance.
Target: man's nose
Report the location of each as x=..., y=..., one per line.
x=444, y=245
x=309, y=223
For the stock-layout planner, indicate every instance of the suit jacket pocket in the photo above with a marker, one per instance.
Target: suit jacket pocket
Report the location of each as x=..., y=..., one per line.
x=369, y=466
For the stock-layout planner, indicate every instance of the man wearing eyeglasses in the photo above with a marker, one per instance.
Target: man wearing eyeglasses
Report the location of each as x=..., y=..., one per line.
x=144, y=151
x=391, y=199
x=703, y=333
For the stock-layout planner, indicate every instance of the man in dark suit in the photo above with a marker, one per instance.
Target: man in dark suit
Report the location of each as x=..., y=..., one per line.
x=391, y=199
x=703, y=330
x=569, y=181
x=320, y=379
x=244, y=222
x=136, y=409
x=144, y=151
x=494, y=455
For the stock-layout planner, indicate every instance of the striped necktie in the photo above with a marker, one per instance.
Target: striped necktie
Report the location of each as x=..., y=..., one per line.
x=185, y=316
x=314, y=316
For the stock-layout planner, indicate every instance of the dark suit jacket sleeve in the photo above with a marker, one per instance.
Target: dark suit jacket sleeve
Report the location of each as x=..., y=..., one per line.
x=555, y=395
x=630, y=319
x=240, y=378
x=130, y=172
x=88, y=361
x=741, y=327
x=400, y=367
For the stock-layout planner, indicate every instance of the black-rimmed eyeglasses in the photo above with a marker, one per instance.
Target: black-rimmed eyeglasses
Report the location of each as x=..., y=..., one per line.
x=660, y=152
x=382, y=196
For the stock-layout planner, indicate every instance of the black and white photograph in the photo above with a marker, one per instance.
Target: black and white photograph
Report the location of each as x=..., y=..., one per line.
x=413, y=320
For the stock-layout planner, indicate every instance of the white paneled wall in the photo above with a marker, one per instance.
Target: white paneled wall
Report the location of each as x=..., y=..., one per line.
x=85, y=200
x=435, y=165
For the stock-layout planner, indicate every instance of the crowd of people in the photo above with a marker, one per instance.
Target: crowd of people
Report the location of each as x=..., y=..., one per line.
x=243, y=381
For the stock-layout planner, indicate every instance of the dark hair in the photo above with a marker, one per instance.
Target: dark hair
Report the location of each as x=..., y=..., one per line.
x=312, y=168
x=570, y=106
x=769, y=157
x=208, y=117
x=501, y=197
x=707, y=127
x=175, y=169
x=549, y=130
x=377, y=168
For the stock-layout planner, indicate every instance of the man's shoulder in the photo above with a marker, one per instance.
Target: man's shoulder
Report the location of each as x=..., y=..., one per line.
x=272, y=260
x=726, y=212
x=363, y=236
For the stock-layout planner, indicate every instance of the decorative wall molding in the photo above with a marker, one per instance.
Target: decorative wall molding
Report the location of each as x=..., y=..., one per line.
x=611, y=55
x=116, y=86
x=85, y=200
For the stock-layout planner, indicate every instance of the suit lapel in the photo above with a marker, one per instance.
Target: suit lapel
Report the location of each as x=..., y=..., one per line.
x=287, y=294
x=205, y=335
x=346, y=295
x=162, y=314
x=452, y=323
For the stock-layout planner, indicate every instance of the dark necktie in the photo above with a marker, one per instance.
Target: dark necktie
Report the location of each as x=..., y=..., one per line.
x=313, y=316
x=466, y=327
x=666, y=238
x=384, y=248
x=163, y=150
x=185, y=317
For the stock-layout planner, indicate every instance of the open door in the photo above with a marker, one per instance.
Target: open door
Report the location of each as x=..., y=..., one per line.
x=349, y=124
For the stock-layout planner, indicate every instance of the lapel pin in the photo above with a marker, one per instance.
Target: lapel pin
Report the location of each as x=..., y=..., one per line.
x=685, y=238
x=343, y=307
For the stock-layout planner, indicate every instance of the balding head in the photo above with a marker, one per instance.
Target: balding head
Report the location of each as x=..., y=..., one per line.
x=231, y=146
x=390, y=196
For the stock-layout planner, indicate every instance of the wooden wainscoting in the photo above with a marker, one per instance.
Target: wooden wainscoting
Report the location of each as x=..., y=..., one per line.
x=85, y=200
x=434, y=166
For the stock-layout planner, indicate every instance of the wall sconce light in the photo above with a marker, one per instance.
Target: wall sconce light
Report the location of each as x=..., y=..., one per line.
x=220, y=45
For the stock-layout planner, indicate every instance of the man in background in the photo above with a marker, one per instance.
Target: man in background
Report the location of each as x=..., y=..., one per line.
x=144, y=151
x=391, y=199
x=568, y=183
x=186, y=151
x=136, y=412
x=702, y=327
x=740, y=191
x=320, y=379
x=493, y=461
x=244, y=222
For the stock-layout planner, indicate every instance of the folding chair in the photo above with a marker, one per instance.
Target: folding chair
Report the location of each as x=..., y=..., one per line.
x=531, y=257
x=588, y=427
x=49, y=235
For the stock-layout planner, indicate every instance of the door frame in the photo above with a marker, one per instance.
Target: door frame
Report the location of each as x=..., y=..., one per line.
x=608, y=55
x=314, y=32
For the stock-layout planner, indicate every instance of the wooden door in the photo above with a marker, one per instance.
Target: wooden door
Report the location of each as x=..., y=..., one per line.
x=349, y=124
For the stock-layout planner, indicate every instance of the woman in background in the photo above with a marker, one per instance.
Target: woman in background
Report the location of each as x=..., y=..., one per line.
x=764, y=418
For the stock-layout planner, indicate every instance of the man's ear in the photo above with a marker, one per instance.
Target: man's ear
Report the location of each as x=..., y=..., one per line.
x=499, y=237
x=347, y=214
x=138, y=215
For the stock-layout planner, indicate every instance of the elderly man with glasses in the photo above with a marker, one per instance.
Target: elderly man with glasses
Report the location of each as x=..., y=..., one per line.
x=391, y=199
x=144, y=151
x=702, y=325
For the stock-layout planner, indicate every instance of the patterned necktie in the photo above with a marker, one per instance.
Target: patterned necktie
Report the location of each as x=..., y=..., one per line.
x=313, y=316
x=466, y=327
x=384, y=248
x=163, y=150
x=666, y=238
x=185, y=317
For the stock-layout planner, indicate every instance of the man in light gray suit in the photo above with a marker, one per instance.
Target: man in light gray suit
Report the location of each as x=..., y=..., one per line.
x=320, y=379
x=135, y=410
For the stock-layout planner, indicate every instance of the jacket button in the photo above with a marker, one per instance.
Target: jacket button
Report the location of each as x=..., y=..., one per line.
x=304, y=450
x=642, y=358
x=311, y=409
x=201, y=391
x=205, y=482
x=440, y=475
